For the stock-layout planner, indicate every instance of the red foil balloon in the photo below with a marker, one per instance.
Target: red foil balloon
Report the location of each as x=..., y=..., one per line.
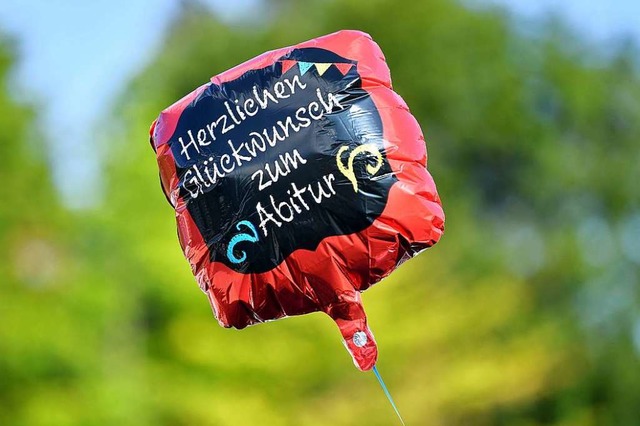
x=299, y=180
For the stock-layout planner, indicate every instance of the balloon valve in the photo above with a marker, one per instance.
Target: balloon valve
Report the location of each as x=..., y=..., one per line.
x=360, y=339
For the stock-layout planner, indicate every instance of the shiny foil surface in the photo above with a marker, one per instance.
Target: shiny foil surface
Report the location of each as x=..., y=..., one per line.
x=298, y=180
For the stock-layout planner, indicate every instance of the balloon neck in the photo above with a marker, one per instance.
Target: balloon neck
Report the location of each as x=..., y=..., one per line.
x=351, y=319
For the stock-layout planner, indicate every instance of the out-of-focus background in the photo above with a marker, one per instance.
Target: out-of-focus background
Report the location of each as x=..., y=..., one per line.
x=526, y=313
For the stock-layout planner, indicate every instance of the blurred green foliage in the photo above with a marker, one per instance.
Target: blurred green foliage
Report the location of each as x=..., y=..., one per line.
x=526, y=313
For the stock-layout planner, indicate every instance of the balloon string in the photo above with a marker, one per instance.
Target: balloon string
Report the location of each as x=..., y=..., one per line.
x=386, y=392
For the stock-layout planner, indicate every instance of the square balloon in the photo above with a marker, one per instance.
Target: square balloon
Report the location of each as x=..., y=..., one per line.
x=299, y=180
